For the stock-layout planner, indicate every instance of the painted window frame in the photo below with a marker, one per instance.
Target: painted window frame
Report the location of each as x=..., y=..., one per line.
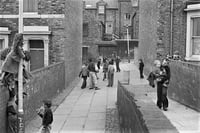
x=191, y=14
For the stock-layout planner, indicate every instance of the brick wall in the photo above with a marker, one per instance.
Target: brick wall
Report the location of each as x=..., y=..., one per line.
x=184, y=84
x=138, y=113
x=72, y=39
x=148, y=32
x=46, y=84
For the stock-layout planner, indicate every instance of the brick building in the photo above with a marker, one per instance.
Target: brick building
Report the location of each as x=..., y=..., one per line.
x=167, y=26
x=105, y=26
x=52, y=33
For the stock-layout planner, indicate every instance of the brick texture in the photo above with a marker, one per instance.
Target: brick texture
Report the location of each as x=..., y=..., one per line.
x=138, y=112
x=65, y=45
x=184, y=84
x=46, y=84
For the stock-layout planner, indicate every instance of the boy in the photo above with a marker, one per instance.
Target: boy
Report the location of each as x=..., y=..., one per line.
x=84, y=73
x=47, y=116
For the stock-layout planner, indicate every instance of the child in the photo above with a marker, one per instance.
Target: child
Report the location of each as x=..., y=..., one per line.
x=84, y=73
x=111, y=71
x=47, y=116
x=141, y=67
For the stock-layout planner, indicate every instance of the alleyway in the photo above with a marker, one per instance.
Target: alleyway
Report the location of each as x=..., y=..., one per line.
x=86, y=111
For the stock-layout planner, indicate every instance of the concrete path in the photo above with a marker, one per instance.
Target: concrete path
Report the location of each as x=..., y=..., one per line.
x=84, y=110
x=183, y=118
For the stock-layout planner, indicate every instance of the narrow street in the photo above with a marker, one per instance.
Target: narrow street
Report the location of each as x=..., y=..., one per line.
x=87, y=111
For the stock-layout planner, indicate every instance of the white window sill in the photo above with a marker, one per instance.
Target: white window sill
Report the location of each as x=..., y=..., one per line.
x=193, y=58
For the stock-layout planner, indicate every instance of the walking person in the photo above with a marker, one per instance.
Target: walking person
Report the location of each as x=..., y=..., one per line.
x=92, y=75
x=105, y=69
x=111, y=71
x=46, y=114
x=98, y=63
x=84, y=73
x=117, y=61
x=141, y=67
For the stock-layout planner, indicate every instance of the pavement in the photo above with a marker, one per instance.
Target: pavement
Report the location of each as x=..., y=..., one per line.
x=85, y=111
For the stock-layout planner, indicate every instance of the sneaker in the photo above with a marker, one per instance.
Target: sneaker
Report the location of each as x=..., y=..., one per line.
x=90, y=88
x=96, y=88
x=165, y=109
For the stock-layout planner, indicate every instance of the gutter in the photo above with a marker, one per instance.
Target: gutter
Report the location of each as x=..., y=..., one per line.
x=171, y=27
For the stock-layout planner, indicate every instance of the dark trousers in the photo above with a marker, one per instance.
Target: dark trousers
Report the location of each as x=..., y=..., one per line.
x=104, y=75
x=110, y=79
x=84, y=84
x=162, y=100
x=117, y=67
x=141, y=73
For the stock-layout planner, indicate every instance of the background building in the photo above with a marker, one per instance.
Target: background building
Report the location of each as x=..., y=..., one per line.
x=105, y=27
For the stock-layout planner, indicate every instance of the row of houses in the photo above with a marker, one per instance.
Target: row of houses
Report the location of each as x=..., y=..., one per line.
x=155, y=29
x=52, y=32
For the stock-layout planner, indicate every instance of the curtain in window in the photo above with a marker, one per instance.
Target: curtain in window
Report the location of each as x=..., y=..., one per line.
x=30, y=5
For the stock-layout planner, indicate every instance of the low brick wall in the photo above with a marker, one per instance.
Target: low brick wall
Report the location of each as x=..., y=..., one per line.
x=185, y=84
x=46, y=84
x=138, y=113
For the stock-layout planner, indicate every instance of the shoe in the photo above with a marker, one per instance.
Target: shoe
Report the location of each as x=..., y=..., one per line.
x=90, y=88
x=96, y=88
x=165, y=109
x=108, y=85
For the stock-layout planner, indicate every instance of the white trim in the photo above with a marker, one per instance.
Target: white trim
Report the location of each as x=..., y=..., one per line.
x=4, y=36
x=27, y=15
x=189, y=56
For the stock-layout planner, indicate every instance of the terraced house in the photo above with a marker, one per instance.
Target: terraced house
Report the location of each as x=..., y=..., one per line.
x=167, y=26
x=52, y=33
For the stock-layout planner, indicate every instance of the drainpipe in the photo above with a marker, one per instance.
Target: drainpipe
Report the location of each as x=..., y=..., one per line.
x=171, y=27
x=120, y=20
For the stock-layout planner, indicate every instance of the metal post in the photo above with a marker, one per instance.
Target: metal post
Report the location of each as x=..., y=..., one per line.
x=20, y=76
x=128, y=45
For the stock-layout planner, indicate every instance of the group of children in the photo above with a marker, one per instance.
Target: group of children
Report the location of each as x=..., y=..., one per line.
x=89, y=70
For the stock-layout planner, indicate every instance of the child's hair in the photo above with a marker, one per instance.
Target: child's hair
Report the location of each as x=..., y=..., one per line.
x=47, y=103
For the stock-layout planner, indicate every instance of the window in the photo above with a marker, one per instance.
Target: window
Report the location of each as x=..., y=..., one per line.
x=127, y=16
x=193, y=33
x=85, y=30
x=101, y=9
x=109, y=27
x=196, y=36
x=30, y=5
x=37, y=54
x=1, y=44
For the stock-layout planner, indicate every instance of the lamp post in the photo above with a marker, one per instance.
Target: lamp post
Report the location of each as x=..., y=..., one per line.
x=128, y=43
x=20, y=76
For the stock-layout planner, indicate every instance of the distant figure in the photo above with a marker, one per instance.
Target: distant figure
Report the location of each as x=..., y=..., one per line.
x=141, y=67
x=92, y=75
x=98, y=63
x=105, y=69
x=46, y=114
x=117, y=61
x=111, y=71
x=84, y=73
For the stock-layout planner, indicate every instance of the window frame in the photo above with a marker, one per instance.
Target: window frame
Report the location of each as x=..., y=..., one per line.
x=189, y=35
x=26, y=10
x=86, y=33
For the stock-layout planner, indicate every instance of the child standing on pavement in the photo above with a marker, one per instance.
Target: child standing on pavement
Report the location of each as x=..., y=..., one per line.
x=141, y=67
x=111, y=71
x=46, y=114
x=84, y=73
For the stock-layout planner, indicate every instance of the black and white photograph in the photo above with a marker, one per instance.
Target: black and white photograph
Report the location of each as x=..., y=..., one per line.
x=99, y=66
